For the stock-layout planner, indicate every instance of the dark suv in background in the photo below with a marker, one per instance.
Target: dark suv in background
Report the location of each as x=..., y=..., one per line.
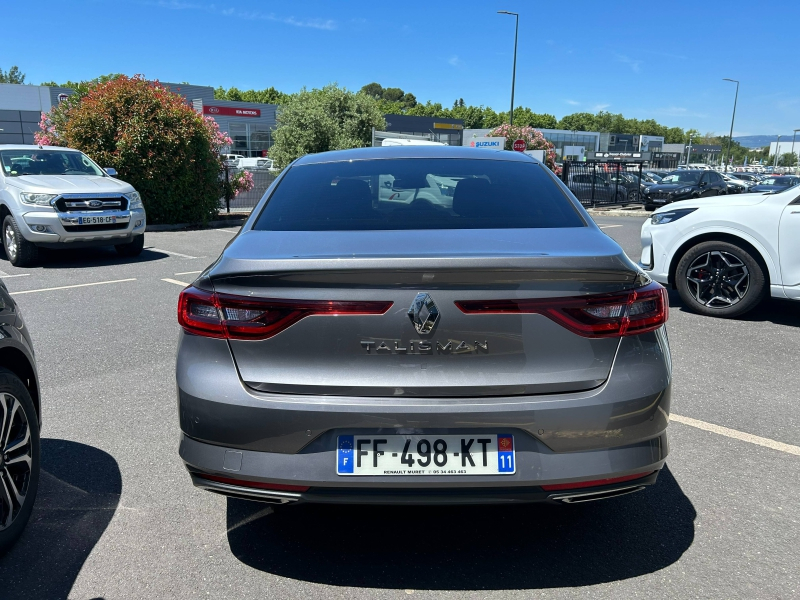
x=684, y=185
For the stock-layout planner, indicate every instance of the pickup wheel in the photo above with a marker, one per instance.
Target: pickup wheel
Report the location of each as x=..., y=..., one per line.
x=133, y=248
x=20, y=252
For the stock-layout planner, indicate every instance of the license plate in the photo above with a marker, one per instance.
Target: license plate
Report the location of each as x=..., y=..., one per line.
x=477, y=454
x=96, y=220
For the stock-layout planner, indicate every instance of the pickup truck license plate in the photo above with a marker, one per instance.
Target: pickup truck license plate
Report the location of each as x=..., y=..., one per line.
x=96, y=220
x=471, y=454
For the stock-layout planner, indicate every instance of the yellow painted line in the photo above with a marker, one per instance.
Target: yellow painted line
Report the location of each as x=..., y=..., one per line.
x=189, y=273
x=68, y=287
x=176, y=282
x=737, y=435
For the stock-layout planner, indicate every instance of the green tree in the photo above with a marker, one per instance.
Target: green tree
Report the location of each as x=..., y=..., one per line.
x=373, y=89
x=788, y=159
x=13, y=75
x=157, y=143
x=266, y=96
x=579, y=122
x=331, y=118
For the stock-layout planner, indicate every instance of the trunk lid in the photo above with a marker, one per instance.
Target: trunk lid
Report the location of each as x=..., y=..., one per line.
x=463, y=354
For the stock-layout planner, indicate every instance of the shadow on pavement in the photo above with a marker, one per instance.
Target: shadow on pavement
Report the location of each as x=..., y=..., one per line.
x=467, y=548
x=100, y=256
x=79, y=491
x=772, y=310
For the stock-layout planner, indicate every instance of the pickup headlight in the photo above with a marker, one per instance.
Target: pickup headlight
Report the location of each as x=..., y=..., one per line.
x=134, y=200
x=38, y=199
x=670, y=216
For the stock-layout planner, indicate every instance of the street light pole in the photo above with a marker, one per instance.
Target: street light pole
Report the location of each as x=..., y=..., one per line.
x=794, y=135
x=689, y=152
x=777, y=151
x=514, y=70
x=730, y=139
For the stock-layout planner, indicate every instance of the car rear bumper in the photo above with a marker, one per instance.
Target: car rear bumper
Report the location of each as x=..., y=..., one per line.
x=232, y=431
x=314, y=469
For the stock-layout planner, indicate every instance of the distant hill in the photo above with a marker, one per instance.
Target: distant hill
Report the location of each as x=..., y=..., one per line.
x=758, y=141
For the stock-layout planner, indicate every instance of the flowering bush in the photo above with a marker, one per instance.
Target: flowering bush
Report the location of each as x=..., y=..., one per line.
x=237, y=183
x=154, y=140
x=533, y=138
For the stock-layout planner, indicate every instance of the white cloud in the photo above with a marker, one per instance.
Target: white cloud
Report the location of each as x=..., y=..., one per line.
x=676, y=111
x=572, y=102
x=599, y=107
x=327, y=24
x=454, y=61
x=634, y=64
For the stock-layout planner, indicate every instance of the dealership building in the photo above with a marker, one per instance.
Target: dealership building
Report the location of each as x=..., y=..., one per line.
x=249, y=125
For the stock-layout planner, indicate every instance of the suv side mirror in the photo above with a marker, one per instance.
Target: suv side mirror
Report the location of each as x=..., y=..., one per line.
x=110, y=171
x=702, y=184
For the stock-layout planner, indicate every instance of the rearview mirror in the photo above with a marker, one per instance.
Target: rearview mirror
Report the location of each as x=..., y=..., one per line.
x=110, y=171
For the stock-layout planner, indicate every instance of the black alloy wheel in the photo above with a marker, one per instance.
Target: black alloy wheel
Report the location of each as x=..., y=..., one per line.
x=19, y=457
x=720, y=279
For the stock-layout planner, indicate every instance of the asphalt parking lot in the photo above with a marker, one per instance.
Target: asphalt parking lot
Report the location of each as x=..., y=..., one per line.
x=117, y=516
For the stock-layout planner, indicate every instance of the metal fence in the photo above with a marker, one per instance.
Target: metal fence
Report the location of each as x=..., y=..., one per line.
x=604, y=183
x=246, y=201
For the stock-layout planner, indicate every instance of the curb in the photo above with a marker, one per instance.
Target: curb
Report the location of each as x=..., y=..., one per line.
x=209, y=225
x=619, y=212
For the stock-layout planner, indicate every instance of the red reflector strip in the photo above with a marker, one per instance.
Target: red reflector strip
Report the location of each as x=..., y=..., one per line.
x=596, y=315
x=278, y=487
x=585, y=484
x=203, y=313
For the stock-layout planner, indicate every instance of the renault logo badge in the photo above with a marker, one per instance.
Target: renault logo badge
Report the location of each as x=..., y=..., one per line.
x=423, y=313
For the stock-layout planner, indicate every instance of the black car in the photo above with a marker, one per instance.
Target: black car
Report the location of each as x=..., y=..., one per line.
x=597, y=187
x=776, y=184
x=19, y=423
x=684, y=185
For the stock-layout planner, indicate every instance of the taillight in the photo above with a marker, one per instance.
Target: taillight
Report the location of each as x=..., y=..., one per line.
x=594, y=316
x=242, y=318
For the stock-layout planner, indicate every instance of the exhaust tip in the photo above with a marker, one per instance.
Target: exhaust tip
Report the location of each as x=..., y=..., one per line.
x=592, y=496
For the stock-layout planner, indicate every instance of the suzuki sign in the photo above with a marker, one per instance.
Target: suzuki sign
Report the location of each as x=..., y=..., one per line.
x=490, y=143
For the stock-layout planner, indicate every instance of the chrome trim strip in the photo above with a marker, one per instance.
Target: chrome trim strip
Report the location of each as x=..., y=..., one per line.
x=71, y=219
x=591, y=496
x=274, y=496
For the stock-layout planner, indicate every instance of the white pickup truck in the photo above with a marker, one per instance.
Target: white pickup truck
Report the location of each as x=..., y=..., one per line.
x=52, y=197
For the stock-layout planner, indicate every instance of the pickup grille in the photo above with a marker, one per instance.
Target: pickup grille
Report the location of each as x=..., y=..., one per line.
x=84, y=204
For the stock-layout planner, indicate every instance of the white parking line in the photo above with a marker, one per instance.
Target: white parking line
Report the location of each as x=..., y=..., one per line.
x=608, y=226
x=176, y=282
x=67, y=287
x=170, y=252
x=189, y=273
x=7, y=276
x=226, y=230
x=737, y=435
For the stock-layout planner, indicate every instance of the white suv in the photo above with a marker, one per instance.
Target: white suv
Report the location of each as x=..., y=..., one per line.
x=52, y=197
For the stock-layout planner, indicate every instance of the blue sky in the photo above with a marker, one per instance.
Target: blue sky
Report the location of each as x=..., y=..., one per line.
x=661, y=60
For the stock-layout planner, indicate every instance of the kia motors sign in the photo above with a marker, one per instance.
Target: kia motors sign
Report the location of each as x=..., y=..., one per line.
x=231, y=111
x=520, y=145
x=488, y=143
x=62, y=97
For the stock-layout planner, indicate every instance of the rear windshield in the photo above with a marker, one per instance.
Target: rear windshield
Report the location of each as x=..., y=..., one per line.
x=401, y=194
